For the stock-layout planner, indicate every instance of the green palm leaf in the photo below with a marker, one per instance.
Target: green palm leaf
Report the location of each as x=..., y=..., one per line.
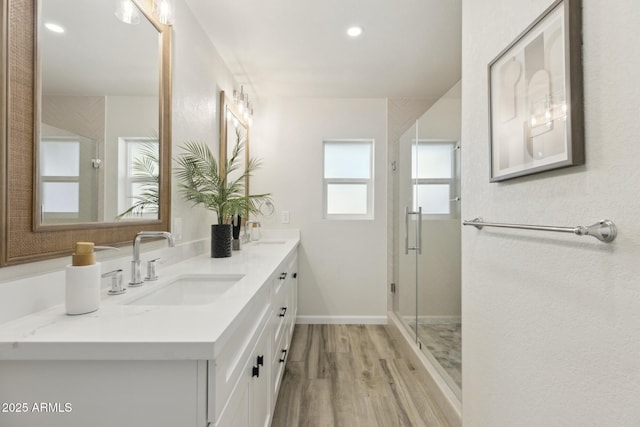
x=200, y=181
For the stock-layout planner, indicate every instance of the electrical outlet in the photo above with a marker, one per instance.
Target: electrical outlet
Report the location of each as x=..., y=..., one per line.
x=176, y=230
x=284, y=217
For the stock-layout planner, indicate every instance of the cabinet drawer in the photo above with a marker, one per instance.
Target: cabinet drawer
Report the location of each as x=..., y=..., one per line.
x=281, y=311
x=280, y=353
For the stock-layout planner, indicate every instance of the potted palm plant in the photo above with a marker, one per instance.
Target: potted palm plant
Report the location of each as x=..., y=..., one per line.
x=202, y=181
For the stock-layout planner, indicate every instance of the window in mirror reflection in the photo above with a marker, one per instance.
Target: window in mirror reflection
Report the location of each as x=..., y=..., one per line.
x=64, y=159
x=139, y=172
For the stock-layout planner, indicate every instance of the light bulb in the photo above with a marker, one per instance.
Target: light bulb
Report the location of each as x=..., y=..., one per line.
x=127, y=12
x=354, y=31
x=241, y=100
x=164, y=11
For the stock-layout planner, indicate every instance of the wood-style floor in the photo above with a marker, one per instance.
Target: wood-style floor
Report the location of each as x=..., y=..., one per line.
x=352, y=375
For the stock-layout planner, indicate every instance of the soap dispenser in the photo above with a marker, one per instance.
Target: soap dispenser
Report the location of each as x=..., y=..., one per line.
x=82, y=291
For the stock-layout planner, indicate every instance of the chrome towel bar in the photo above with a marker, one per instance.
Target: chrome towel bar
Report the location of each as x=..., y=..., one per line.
x=604, y=230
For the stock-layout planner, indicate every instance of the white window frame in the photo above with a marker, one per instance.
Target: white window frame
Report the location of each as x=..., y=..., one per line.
x=125, y=198
x=71, y=179
x=453, y=182
x=369, y=215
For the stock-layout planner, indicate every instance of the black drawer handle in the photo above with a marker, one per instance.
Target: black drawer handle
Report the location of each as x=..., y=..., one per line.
x=255, y=372
x=284, y=355
x=295, y=275
x=283, y=311
x=283, y=276
x=260, y=360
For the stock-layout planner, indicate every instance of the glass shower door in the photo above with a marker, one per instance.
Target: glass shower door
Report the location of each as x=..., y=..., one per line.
x=427, y=247
x=407, y=234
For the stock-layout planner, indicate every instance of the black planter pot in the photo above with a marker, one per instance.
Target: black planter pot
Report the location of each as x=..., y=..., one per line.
x=221, y=240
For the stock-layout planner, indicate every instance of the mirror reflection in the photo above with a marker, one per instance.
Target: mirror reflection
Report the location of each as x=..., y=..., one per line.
x=98, y=150
x=237, y=133
x=233, y=129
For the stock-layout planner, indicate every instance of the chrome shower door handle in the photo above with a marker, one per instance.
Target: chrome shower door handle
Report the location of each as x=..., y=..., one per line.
x=418, y=246
x=406, y=230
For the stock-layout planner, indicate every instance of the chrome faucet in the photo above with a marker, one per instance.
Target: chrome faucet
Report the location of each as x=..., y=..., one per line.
x=136, y=277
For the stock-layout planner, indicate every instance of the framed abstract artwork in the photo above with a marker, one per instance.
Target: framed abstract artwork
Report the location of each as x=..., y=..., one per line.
x=535, y=97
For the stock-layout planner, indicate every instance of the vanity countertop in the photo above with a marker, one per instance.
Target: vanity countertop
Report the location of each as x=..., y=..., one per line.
x=137, y=332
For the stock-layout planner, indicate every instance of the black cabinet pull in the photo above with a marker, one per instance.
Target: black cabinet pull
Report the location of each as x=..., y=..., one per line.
x=283, y=276
x=284, y=355
x=283, y=311
x=255, y=372
x=260, y=360
x=295, y=275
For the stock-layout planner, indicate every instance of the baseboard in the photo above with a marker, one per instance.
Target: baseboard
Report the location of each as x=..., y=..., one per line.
x=341, y=320
x=445, y=398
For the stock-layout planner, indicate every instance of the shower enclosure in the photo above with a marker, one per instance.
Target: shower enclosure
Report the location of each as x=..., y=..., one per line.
x=427, y=227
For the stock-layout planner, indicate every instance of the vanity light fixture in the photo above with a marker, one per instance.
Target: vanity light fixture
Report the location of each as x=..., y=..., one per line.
x=239, y=99
x=244, y=106
x=162, y=10
x=55, y=28
x=247, y=108
x=355, y=31
x=127, y=12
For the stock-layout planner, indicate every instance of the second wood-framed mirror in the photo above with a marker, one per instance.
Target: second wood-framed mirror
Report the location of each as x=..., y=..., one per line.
x=233, y=129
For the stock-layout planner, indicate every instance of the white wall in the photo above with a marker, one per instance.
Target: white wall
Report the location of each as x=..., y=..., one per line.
x=342, y=264
x=198, y=75
x=550, y=335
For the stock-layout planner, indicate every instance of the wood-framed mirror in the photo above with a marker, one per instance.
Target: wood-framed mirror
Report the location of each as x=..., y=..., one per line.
x=34, y=226
x=233, y=127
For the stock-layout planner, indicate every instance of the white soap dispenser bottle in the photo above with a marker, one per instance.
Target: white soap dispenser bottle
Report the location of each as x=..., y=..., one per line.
x=82, y=291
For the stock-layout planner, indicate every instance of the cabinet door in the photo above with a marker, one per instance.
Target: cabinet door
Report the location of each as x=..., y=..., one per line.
x=259, y=393
x=237, y=415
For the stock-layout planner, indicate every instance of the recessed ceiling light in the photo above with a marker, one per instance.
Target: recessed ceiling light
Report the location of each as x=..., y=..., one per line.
x=54, y=27
x=354, y=31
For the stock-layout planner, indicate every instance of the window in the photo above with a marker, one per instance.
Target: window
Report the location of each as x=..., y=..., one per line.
x=60, y=176
x=139, y=173
x=434, y=172
x=348, y=179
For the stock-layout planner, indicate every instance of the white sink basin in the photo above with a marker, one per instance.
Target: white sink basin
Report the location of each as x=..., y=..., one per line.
x=193, y=289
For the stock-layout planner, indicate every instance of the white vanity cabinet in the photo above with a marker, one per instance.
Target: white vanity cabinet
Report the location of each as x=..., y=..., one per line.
x=217, y=365
x=245, y=379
